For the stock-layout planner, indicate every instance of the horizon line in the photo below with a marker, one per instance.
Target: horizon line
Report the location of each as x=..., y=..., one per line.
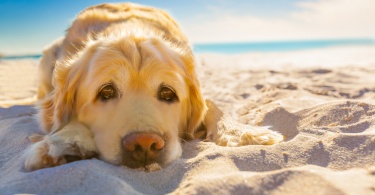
x=225, y=43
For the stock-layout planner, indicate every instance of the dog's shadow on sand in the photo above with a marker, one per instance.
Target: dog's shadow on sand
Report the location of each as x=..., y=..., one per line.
x=190, y=149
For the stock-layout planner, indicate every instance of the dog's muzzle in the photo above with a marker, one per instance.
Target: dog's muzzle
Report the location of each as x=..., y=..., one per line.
x=142, y=149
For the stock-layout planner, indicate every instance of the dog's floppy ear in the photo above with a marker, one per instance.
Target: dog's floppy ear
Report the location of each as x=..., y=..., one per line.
x=196, y=108
x=57, y=108
x=203, y=115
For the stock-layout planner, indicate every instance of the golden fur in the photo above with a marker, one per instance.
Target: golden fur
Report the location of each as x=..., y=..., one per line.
x=137, y=49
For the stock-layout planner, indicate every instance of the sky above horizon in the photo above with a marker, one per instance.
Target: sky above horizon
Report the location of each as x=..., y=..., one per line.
x=28, y=26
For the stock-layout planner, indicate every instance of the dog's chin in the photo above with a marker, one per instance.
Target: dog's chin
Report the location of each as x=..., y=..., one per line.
x=133, y=164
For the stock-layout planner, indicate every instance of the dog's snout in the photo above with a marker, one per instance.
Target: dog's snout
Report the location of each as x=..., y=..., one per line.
x=144, y=147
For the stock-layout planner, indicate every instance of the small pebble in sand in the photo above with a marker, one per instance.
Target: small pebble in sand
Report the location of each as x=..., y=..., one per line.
x=150, y=167
x=153, y=167
x=349, y=118
x=371, y=171
x=286, y=157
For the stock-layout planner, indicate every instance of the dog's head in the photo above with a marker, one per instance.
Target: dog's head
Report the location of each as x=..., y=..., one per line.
x=138, y=94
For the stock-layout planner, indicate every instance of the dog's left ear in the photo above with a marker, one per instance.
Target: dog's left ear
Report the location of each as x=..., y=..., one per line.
x=196, y=110
x=196, y=106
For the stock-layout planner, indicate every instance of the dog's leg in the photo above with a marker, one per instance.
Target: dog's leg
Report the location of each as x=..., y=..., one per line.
x=72, y=142
x=224, y=131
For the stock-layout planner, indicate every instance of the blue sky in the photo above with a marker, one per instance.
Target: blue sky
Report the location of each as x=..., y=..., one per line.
x=27, y=26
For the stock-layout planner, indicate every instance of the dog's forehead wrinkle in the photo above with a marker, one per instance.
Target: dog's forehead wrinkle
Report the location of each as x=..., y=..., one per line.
x=109, y=63
x=139, y=49
x=151, y=50
x=130, y=50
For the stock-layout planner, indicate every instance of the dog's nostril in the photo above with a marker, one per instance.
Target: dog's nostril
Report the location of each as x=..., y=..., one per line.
x=153, y=146
x=137, y=148
x=157, y=145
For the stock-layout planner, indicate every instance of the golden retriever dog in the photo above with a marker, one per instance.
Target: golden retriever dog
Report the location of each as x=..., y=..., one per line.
x=121, y=86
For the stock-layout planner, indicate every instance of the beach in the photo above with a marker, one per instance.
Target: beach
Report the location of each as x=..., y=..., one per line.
x=321, y=100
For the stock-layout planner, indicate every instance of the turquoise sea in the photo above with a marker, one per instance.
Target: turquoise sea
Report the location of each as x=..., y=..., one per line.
x=243, y=47
x=277, y=46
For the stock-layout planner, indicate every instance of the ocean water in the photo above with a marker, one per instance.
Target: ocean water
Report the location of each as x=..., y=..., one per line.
x=277, y=46
x=243, y=47
x=18, y=57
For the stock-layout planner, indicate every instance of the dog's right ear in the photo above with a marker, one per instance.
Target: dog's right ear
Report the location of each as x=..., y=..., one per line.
x=57, y=108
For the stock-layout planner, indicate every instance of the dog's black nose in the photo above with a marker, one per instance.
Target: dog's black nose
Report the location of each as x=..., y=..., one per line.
x=144, y=148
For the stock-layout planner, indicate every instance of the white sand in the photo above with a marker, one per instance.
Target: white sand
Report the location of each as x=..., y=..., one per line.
x=323, y=101
x=18, y=82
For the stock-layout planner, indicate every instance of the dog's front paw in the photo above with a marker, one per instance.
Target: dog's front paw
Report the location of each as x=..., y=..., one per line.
x=38, y=156
x=73, y=142
x=52, y=151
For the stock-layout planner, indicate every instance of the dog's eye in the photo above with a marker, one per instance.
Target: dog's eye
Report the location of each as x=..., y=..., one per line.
x=107, y=92
x=167, y=94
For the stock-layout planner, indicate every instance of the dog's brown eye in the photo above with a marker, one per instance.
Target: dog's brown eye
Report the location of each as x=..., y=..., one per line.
x=167, y=94
x=107, y=92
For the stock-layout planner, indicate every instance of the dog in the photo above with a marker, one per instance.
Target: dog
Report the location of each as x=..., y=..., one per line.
x=121, y=86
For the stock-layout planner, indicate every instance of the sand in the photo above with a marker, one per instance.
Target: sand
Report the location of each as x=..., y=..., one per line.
x=322, y=101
